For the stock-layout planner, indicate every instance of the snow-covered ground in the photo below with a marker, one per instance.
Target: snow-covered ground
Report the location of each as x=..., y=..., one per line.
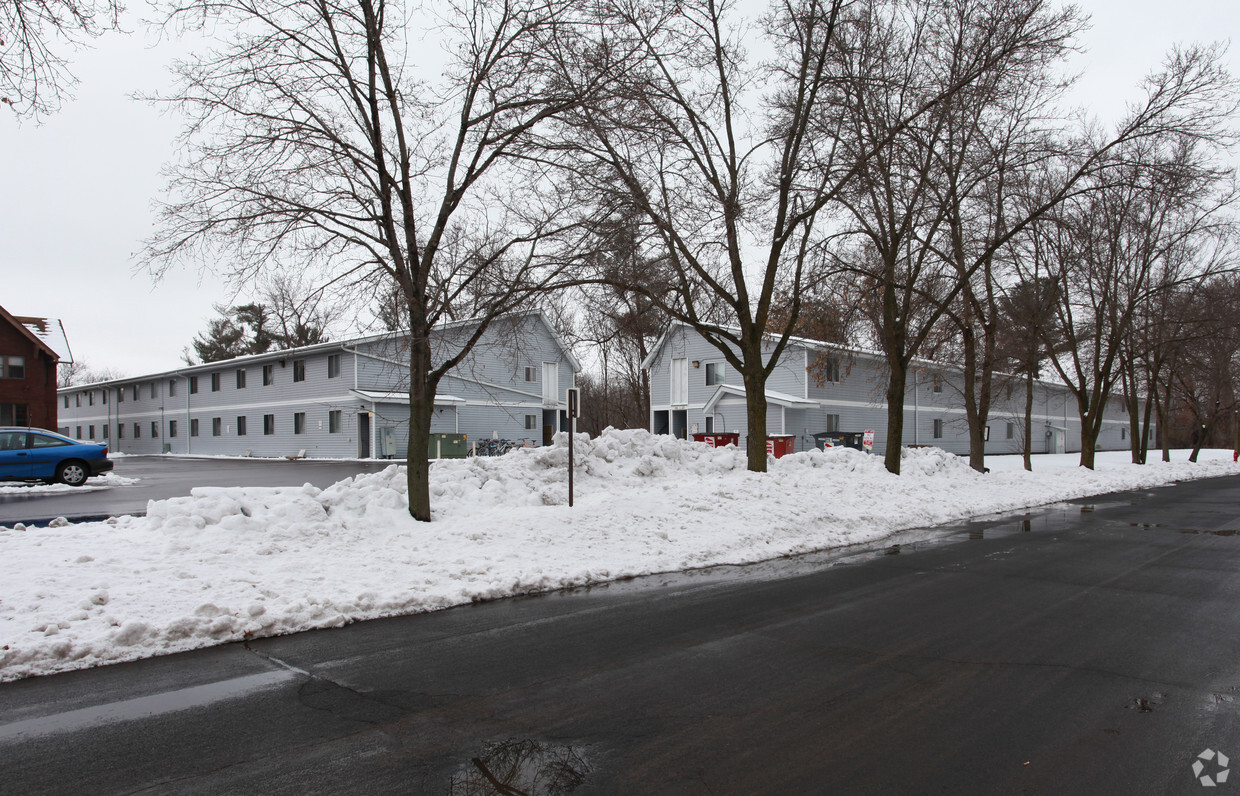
x=104, y=481
x=231, y=563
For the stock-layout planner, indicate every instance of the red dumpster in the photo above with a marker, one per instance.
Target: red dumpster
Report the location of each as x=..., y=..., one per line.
x=778, y=445
x=718, y=440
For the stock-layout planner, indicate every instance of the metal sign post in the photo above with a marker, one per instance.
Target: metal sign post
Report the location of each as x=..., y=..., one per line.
x=571, y=400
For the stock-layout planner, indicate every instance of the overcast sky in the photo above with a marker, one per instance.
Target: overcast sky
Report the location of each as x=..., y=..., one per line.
x=77, y=189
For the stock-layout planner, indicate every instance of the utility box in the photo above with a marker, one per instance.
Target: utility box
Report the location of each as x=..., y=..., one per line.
x=718, y=440
x=839, y=439
x=447, y=446
x=387, y=443
x=779, y=445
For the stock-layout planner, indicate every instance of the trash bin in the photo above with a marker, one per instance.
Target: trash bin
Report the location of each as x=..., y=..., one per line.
x=838, y=439
x=779, y=445
x=718, y=440
x=447, y=446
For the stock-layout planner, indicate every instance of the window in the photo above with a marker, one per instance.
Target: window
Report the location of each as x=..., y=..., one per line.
x=269, y=375
x=193, y=426
x=333, y=421
x=714, y=373
x=241, y=425
x=531, y=373
x=710, y=424
x=14, y=415
x=135, y=392
x=172, y=428
x=137, y=430
x=78, y=435
x=1123, y=432
x=90, y=398
x=269, y=425
x=152, y=389
x=105, y=431
x=833, y=423
x=299, y=370
x=1011, y=431
x=66, y=401
x=531, y=422
x=217, y=426
x=986, y=434
x=938, y=429
x=299, y=422
x=120, y=430
x=120, y=396
x=154, y=429
x=77, y=400
x=12, y=367
x=938, y=383
x=103, y=395
x=241, y=378
x=193, y=385
x=215, y=382
x=91, y=430
x=333, y=366
x=172, y=387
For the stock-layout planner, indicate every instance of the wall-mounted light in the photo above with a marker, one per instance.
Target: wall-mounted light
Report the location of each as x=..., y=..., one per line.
x=696, y=363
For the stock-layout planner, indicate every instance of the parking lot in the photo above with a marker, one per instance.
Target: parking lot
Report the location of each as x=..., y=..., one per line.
x=162, y=477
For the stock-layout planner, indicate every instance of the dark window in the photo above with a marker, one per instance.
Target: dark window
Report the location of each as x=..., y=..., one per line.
x=938, y=429
x=78, y=435
x=217, y=426
x=531, y=373
x=714, y=373
x=299, y=422
x=333, y=421
x=269, y=375
x=1011, y=430
x=120, y=396
x=103, y=395
x=154, y=429
x=77, y=400
x=833, y=423
x=299, y=370
x=14, y=415
x=193, y=385
x=137, y=430
x=172, y=428
x=333, y=366
x=938, y=384
x=215, y=382
x=269, y=425
x=120, y=430
x=66, y=401
x=135, y=392
x=710, y=424
x=241, y=378
x=12, y=367
x=531, y=421
x=105, y=431
x=193, y=426
x=91, y=430
x=90, y=398
x=172, y=387
x=241, y=425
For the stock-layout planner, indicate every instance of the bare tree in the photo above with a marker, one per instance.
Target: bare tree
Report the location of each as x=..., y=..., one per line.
x=70, y=374
x=313, y=139
x=34, y=74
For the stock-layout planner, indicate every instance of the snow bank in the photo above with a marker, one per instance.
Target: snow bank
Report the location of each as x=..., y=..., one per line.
x=231, y=563
x=104, y=481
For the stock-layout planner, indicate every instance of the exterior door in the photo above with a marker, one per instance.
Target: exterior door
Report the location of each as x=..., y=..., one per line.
x=363, y=435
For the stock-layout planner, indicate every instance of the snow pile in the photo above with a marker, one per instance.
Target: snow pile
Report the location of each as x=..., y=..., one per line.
x=104, y=481
x=231, y=563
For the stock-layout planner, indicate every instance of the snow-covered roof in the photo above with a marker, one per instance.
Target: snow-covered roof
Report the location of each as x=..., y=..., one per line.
x=52, y=332
x=391, y=397
x=772, y=397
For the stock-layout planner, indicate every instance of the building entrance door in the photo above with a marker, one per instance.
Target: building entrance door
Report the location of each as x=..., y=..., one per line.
x=363, y=435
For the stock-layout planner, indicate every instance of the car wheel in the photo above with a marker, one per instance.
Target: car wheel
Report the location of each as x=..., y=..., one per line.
x=73, y=473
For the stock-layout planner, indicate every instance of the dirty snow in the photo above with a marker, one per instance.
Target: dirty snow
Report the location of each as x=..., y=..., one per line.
x=231, y=563
x=103, y=481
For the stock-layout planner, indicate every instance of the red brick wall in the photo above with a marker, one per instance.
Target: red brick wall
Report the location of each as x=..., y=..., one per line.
x=38, y=389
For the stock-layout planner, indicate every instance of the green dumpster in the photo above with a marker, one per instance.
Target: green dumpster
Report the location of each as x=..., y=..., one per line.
x=447, y=446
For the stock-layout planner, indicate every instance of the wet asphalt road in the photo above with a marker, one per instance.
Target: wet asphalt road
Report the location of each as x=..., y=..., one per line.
x=161, y=477
x=1092, y=647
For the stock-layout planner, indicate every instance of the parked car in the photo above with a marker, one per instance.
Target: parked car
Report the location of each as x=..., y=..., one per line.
x=35, y=454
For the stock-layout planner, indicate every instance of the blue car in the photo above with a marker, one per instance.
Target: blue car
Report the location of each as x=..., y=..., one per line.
x=34, y=454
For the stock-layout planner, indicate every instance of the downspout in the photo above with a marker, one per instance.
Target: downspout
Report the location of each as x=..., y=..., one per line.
x=916, y=406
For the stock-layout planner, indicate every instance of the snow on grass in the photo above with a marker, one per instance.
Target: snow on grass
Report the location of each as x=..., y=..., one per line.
x=231, y=563
x=104, y=481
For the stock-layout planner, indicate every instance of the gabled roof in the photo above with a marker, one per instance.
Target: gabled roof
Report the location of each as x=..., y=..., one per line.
x=39, y=342
x=50, y=331
x=772, y=397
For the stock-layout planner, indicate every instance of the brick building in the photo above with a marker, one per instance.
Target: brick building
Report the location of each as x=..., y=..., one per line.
x=28, y=358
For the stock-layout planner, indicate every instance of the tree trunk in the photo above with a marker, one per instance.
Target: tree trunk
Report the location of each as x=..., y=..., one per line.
x=755, y=413
x=897, y=383
x=1028, y=452
x=421, y=412
x=1164, y=415
x=1089, y=435
x=1145, y=429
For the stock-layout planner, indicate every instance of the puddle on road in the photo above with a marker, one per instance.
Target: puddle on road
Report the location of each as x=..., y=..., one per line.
x=521, y=767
